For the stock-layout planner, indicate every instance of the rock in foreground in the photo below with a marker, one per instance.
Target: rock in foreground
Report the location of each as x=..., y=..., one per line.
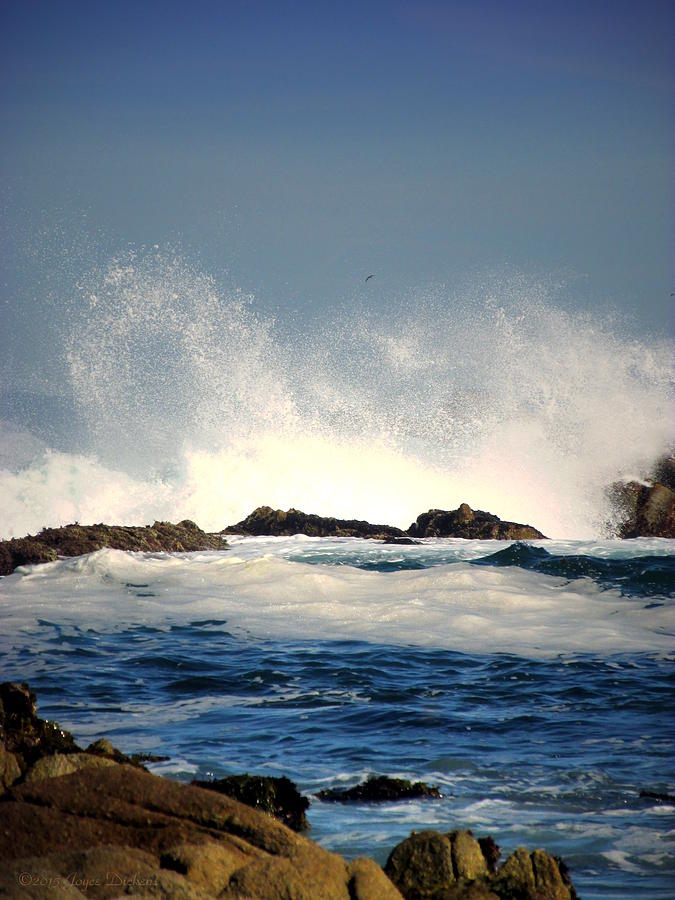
x=267, y=521
x=76, y=540
x=430, y=865
x=471, y=524
x=101, y=832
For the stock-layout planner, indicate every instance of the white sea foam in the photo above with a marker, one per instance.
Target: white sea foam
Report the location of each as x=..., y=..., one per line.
x=195, y=406
x=459, y=606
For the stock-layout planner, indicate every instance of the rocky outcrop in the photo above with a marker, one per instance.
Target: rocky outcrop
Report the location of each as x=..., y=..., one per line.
x=277, y=796
x=455, y=866
x=267, y=521
x=471, y=524
x=380, y=789
x=75, y=540
x=463, y=522
x=646, y=507
x=644, y=510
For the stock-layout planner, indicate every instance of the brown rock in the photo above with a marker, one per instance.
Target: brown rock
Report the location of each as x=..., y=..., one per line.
x=23, y=733
x=465, y=522
x=267, y=521
x=467, y=856
x=65, y=764
x=10, y=770
x=75, y=540
x=421, y=866
x=367, y=881
x=180, y=840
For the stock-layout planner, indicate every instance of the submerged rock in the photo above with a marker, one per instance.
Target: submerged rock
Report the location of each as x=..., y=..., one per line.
x=267, y=521
x=471, y=524
x=430, y=865
x=277, y=796
x=380, y=789
x=76, y=540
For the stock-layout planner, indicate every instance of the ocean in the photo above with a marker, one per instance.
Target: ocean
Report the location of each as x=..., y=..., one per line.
x=533, y=683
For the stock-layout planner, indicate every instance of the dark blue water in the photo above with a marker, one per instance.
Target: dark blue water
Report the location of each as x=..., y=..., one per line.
x=559, y=749
x=550, y=752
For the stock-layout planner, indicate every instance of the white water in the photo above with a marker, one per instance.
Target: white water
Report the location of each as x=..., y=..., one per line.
x=458, y=607
x=195, y=407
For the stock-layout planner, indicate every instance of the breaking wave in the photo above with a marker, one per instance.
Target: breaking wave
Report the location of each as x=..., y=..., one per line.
x=191, y=404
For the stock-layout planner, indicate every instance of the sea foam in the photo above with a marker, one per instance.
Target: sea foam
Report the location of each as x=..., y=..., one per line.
x=458, y=606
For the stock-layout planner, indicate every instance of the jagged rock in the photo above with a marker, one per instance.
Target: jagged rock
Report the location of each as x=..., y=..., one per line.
x=465, y=522
x=380, y=789
x=401, y=540
x=76, y=540
x=434, y=866
x=531, y=876
x=23, y=734
x=644, y=510
x=267, y=521
x=277, y=796
x=165, y=839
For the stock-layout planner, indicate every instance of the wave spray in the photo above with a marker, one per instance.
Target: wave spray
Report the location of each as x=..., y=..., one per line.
x=194, y=406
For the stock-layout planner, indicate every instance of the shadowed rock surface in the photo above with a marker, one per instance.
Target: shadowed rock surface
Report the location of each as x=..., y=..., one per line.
x=267, y=521
x=76, y=540
x=380, y=789
x=471, y=524
x=277, y=796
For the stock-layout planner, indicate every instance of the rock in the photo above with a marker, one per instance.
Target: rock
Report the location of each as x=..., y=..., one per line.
x=421, y=865
x=277, y=796
x=23, y=734
x=10, y=770
x=644, y=510
x=76, y=540
x=144, y=835
x=434, y=866
x=657, y=795
x=379, y=789
x=531, y=876
x=64, y=764
x=401, y=540
x=465, y=522
x=267, y=521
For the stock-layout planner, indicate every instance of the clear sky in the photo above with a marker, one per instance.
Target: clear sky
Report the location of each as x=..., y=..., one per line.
x=296, y=147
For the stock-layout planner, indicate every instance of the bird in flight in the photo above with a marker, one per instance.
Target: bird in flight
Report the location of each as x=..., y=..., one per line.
x=369, y=277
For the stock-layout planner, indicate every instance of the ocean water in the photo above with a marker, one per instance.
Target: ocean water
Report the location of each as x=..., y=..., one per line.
x=532, y=682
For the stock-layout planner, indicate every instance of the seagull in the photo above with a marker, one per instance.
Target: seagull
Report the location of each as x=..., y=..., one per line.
x=369, y=277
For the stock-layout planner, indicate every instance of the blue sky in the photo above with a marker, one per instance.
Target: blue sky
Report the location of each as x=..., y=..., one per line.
x=295, y=147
